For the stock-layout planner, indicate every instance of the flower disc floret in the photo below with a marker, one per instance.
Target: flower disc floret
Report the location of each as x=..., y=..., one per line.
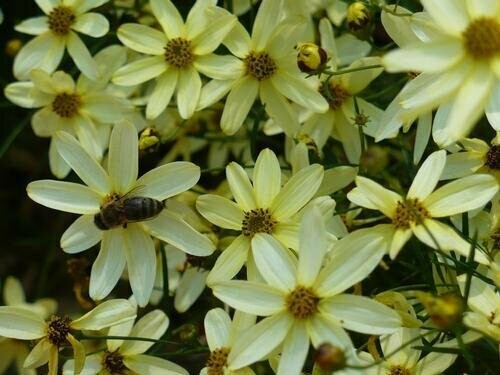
x=258, y=220
x=409, y=211
x=113, y=362
x=302, y=302
x=66, y=105
x=58, y=330
x=178, y=53
x=493, y=157
x=60, y=20
x=260, y=65
x=216, y=361
x=482, y=38
x=335, y=94
x=398, y=370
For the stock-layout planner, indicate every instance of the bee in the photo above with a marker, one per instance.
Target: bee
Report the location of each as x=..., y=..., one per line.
x=119, y=211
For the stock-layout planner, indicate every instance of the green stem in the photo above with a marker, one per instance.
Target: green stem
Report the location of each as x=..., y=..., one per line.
x=331, y=73
x=126, y=338
x=14, y=133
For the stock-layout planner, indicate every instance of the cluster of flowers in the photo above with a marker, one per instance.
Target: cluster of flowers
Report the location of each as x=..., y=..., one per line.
x=270, y=242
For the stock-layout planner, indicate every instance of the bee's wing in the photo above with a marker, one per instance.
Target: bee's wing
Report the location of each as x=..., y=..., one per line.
x=131, y=192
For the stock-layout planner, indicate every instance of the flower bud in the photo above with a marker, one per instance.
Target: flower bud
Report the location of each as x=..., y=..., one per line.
x=13, y=46
x=149, y=141
x=330, y=358
x=359, y=16
x=444, y=311
x=310, y=57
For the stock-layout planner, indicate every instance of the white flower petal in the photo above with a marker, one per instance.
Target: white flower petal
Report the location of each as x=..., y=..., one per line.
x=123, y=160
x=47, y=5
x=298, y=190
x=64, y=196
x=450, y=15
x=109, y=265
x=219, y=67
x=482, y=297
x=238, y=104
x=313, y=246
x=142, y=38
x=422, y=136
x=168, y=180
x=190, y=287
x=279, y=109
x=80, y=235
x=82, y=163
x=188, y=91
x=58, y=167
x=427, y=176
x=242, y=296
x=93, y=24
x=33, y=26
x=152, y=325
x=393, y=344
x=240, y=186
x=266, y=177
x=273, y=261
x=93, y=364
x=44, y=52
x=230, y=261
x=294, y=352
x=213, y=91
x=493, y=107
x=40, y=354
x=81, y=56
x=220, y=211
x=425, y=57
x=353, y=258
x=361, y=314
x=384, y=199
x=267, y=18
x=464, y=194
x=147, y=364
x=162, y=93
x=238, y=41
x=399, y=239
x=217, y=324
x=140, y=71
x=356, y=82
x=106, y=314
x=325, y=328
x=83, y=6
x=169, y=17
x=256, y=343
x=296, y=88
x=440, y=236
x=20, y=323
x=141, y=262
x=220, y=23
x=177, y=232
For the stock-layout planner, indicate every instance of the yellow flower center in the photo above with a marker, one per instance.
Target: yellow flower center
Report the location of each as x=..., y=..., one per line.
x=260, y=65
x=178, y=52
x=258, y=220
x=113, y=362
x=409, y=211
x=398, y=370
x=60, y=20
x=302, y=302
x=335, y=94
x=493, y=157
x=66, y=105
x=58, y=330
x=217, y=361
x=482, y=38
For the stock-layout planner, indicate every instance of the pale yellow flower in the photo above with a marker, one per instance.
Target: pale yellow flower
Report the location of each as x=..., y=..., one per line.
x=56, y=33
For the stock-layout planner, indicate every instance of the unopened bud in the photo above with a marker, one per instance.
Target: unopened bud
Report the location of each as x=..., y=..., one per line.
x=330, y=358
x=149, y=141
x=13, y=46
x=445, y=311
x=311, y=57
x=187, y=332
x=358, y=16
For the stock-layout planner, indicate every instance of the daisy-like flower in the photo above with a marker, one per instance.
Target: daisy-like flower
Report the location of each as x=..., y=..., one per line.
x=265, y=207
x=56, y=33
x=221, y=333
x=84, y=109
x=124, y=242
x=266, y=68
x=484, y=302
x=459, y=61
x=122, y=356
x=301, y=301
x=476, y=156
x=339, y=92
x=12, y=350
x=56, y=333
x=177, y=55
x=416, y=213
